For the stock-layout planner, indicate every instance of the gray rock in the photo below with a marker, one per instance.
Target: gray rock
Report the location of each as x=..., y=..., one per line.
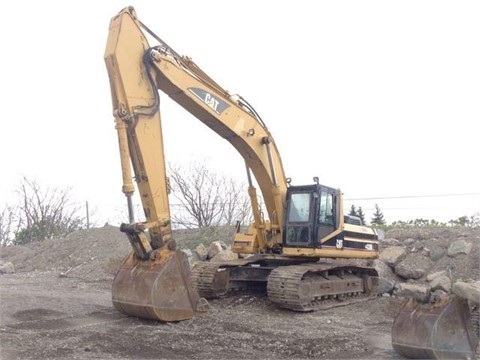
x=214, y=248
x=415, y=246
x=408, y=241
x=224, y=255
x=202, y=252
x=434, y=275
x=390, y=242
x=469, y=291
x=392, y=255
x=407, y=272
x=441, y=242
x=407, y=290
x=384, y=271
x=6, y=267
x=414, y=266
x=437, y=253
x=441, y=283
x=385, y=286
x=459, y=247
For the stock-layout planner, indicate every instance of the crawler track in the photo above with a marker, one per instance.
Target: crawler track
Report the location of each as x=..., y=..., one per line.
x=298, y=287
x=213, y=280
x=320, y=286
x=207, y=280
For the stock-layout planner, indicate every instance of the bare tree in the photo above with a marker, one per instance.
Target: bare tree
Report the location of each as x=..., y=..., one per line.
x=206, y=198
x=236, y=205
x=45, y=214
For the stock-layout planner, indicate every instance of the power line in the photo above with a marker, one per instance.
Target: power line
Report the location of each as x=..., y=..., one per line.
x=410, y=196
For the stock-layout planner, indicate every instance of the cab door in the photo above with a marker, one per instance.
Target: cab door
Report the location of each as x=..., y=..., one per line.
x=300, y=219
x=326, y=210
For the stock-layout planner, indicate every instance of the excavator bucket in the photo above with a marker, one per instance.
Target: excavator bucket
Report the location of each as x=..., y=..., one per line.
x=442, y=330
x=159, y=289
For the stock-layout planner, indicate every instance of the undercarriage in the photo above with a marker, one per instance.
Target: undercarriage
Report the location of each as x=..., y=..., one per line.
x=299, y=284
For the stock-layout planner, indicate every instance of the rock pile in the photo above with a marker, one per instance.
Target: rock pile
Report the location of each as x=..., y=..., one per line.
x=427, y=266
x=423, y=263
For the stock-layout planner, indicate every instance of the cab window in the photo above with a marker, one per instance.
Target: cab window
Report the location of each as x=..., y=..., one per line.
x=299, y=207
x=326, y=208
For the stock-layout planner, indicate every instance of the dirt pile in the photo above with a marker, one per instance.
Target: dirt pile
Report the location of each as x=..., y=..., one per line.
x=95, y=254
x=92, y=254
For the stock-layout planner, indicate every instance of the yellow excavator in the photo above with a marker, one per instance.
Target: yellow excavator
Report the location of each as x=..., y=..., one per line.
x=304, y=253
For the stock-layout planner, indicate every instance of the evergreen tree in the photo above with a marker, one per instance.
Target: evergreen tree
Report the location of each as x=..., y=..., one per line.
x=378, y=218
x=361, y=215
x=353, y=211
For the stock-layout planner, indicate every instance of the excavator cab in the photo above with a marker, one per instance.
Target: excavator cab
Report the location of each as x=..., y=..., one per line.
x=315, y=225
x=310, y=214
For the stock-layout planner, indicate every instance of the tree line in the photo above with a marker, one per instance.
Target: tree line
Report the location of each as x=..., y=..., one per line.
x=378, y=220
x=200, y=197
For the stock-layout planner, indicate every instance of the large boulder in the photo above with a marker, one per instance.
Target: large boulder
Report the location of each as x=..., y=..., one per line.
x=459, y=247
x=393, y=255
x=437, y=252
x=469, y=291
x=414, y=266
x=201, y=252
x=441, y=283
x=224, y=255
x=214, y=248
x=416, y=291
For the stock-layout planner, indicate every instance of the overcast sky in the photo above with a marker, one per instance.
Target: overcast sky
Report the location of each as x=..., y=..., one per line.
x=377, y=98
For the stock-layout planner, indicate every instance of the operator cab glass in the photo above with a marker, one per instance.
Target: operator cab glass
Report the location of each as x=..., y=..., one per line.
x=300, y=207
x=310, y=215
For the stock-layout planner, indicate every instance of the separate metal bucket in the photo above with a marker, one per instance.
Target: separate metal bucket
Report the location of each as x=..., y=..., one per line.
x=159, y=289
x=441, y=330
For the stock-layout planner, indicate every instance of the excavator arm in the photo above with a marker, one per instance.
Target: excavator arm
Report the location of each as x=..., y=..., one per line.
x=135, y=107
x=154, y=281
x=137, y=71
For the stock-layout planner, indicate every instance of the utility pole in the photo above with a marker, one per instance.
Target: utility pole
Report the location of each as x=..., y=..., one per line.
x=88, y=215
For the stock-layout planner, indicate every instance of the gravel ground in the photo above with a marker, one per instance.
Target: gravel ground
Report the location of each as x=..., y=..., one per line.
x=57, y=305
